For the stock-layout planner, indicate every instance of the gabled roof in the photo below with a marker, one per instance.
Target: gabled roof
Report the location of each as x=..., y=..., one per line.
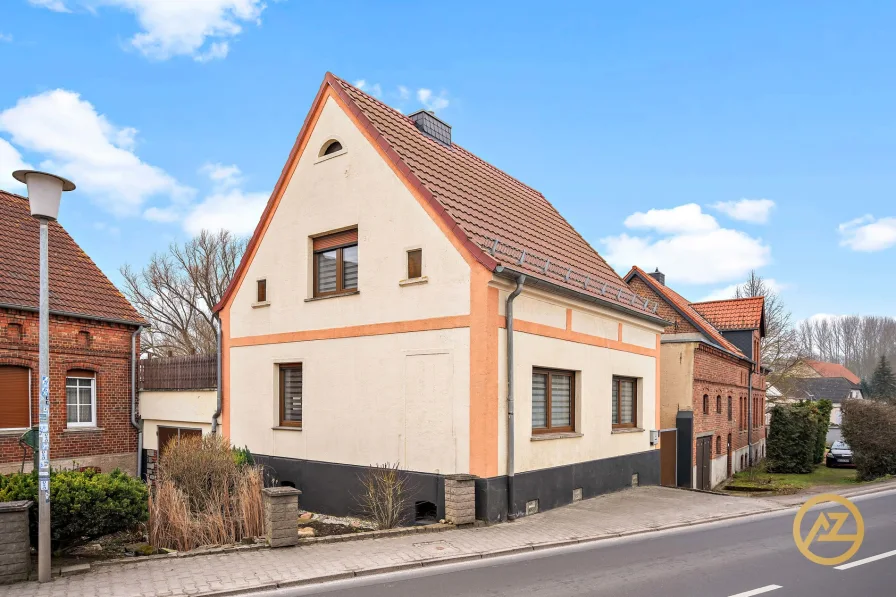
x=835, y=389
x=503, y=223
x=77, y=286
x=683, y=306
x=832, y=370
x=735, y=314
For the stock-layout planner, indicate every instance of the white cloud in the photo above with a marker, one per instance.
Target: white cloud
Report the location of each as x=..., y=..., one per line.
x=691, y=249
x=163, y=215
x=375, y=90
x=221, y=175
x=6, y=37
x=197, y=28
x=10, y=161
x=78, y=143
x=727, y=292
x=746, y=210
x=232, y=210
x=54, y=5
x=403, y=92
x=684, y=218
x=868, y=234
x=432, y=102
x=114, y=231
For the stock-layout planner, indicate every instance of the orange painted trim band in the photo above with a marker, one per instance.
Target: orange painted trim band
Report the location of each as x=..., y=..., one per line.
x=619, y=332
x=539, y=329
x=569, y=320
x=357, y=331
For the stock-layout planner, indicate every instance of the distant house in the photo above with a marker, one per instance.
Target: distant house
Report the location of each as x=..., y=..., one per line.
x=712, y=384
x=94, y=332
x=809, y=368
x=370, y=321
x=835, y=389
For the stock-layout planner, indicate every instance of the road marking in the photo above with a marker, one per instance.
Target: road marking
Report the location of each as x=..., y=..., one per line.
x=866, y=560
x=758, y=591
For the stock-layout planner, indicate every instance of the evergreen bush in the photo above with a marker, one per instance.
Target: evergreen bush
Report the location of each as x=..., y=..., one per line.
x=792, y=438
x=869, y=427
x=823, y=414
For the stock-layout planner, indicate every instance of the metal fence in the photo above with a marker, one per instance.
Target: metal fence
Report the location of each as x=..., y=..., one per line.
x=179, y=373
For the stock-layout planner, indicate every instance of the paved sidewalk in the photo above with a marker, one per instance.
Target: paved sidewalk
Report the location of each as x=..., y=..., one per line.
x=630, y=511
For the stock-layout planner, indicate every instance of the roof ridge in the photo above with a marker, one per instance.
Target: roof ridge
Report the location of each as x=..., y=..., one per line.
x=742, y=298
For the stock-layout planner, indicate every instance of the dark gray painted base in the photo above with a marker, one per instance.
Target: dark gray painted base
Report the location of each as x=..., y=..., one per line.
x=684, y=422
x=332, y=488
x=553, y=487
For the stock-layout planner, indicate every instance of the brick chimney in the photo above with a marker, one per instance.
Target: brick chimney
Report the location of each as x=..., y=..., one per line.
x=659, y=276
x=432, y=127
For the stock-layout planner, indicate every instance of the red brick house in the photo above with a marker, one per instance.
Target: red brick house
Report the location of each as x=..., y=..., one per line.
x=93, y=334
x=712, y=384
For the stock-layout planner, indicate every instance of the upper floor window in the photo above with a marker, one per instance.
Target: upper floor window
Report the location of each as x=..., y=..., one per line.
x=730, y=409
x=80, y=398
x=625, y=402
x=553, y=400
x=261, y=291
x=415, y=264
x=705, y=404
x=719, y=404
x=336, y=263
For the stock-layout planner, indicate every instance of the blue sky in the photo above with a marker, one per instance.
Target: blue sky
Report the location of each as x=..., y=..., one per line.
x=699, y=138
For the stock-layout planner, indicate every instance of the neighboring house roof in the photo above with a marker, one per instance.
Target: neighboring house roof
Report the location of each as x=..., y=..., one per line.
x=735, y=314
x=832, y=370
x=835, y=389
x=504, y=223
x=684, y=307
x=77, y=286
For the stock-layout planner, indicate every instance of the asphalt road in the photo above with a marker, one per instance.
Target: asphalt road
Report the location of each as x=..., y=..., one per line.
x=744, y=558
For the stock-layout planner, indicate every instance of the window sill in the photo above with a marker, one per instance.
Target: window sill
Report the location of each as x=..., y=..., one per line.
x=627, y=430
x=13, y=431
x=285, y=428
x=335, y=154
x=332, y=296
x=261, y=304
x=546, y=436
x=85, y=429
x=414, y=281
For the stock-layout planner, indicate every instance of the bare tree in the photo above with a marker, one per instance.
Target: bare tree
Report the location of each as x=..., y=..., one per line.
x=780, y=347
x=855, y=341
x=177, y=290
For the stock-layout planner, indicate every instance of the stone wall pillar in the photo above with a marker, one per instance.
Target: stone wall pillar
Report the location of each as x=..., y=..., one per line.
x=281, y=515
x=15, y=543
x=460, y=499
x=152, y=466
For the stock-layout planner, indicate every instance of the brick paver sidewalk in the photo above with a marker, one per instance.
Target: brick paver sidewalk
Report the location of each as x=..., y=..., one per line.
x=630, y=511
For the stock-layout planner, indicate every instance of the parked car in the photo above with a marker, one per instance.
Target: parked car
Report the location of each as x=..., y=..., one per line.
x=839, y=455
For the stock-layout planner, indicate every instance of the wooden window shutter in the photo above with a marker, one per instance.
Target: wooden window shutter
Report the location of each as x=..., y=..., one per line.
x=346, y=237
x=14, y=398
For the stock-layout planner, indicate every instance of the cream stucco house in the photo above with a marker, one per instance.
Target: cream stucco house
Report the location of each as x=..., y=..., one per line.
x=369, y=322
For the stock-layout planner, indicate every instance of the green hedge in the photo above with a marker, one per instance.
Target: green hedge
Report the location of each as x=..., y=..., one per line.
x=823, y=414
x=83, y=505
x=792, y=439
x=869, y=427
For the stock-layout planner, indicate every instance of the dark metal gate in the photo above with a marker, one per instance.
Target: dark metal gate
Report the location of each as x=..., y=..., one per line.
x=704, y=462
x=668, y=457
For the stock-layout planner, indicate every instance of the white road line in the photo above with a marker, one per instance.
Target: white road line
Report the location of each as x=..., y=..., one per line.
x=866, y=560
x=758, y=591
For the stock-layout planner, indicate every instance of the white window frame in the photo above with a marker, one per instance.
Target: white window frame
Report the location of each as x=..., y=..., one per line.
x=92, y=422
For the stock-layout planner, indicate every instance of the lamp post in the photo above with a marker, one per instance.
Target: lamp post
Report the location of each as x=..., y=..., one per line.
x=44, y=194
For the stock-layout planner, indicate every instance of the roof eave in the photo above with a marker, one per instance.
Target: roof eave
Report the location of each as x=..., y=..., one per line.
x=509, y=273
x=30, y=309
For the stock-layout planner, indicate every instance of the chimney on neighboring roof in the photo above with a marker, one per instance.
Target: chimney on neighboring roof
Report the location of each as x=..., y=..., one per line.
x=432, y=127
x=659, y=276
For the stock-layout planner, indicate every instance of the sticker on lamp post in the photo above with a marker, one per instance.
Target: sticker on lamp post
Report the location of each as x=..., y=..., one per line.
x=45, y=386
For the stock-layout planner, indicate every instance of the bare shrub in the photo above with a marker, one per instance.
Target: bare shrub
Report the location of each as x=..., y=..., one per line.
x=203, y=497
x=385, y=495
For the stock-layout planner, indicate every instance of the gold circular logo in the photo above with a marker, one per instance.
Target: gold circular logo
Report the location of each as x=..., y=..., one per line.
x=826, y=529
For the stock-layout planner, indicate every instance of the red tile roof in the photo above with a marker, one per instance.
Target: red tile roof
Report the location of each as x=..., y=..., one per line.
x=833, y=370
x=502, y=221
x=77, y=286
x=734, y=314
x=685, y=307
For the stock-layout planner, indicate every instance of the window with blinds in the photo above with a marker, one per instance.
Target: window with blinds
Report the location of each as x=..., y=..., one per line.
x=553, y=401
x=14, y=404
x=80, y=399
x=291, y=395
x=336, y=263
x=625, y=402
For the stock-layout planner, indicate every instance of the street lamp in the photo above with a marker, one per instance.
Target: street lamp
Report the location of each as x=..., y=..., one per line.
x=44, y=194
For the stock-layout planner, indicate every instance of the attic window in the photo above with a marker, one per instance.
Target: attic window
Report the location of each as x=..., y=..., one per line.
x=331, y=147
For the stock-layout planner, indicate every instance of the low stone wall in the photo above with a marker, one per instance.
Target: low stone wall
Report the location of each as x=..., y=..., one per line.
x=15, y=544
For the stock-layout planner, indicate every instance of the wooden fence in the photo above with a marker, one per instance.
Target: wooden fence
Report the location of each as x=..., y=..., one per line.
x=179, y=373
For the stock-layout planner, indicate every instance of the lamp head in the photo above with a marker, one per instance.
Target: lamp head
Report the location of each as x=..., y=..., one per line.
x=44, y=191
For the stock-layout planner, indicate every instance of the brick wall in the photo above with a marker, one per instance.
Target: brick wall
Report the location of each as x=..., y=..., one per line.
x=718, y=374
x=103, y=348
